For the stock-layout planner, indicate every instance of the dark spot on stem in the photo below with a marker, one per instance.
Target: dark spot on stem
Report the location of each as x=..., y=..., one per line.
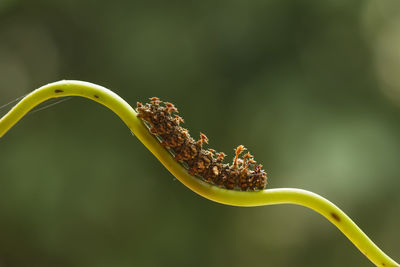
x=96, y=96
x=335, y=216
x=58, y=91
x=383, y=264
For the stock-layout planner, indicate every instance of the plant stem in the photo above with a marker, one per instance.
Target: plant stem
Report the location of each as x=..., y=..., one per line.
x=214, y=193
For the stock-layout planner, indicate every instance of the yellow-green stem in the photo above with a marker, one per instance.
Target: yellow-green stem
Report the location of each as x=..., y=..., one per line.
x=224, y=196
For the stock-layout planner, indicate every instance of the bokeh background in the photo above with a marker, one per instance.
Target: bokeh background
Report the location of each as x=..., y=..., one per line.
x=312, y=88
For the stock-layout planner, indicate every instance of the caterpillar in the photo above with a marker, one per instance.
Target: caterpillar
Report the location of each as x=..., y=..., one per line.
x=243, y=174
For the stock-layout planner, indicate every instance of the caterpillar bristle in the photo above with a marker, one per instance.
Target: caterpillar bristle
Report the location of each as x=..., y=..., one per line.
x=243, y=174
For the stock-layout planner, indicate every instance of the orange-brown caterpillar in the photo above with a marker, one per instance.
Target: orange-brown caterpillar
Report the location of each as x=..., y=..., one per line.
x=243, y=174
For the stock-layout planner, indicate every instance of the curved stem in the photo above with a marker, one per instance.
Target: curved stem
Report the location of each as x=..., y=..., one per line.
x=224, y=196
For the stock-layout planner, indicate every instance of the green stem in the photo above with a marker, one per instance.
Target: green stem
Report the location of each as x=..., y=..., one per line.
x=224, y=196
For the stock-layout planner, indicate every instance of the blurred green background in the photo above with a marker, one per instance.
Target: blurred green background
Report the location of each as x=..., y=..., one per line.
x=312, y=88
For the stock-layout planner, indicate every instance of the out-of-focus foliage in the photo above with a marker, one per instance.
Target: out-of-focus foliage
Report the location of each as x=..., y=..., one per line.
x=312, y=88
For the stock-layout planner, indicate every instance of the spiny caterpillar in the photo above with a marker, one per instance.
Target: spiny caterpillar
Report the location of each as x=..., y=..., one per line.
x=243, y=174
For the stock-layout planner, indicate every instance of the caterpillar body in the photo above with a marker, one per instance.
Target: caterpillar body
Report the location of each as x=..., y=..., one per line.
x=244, y=173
